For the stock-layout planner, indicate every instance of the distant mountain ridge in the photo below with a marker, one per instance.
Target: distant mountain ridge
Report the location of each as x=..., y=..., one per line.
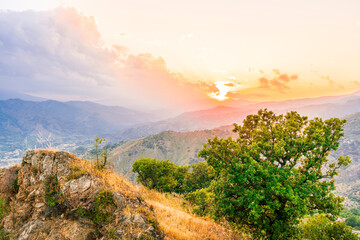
x=325, y=107
x=29, y=124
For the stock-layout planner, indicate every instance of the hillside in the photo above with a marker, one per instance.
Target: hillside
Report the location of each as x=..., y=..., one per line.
x=28, y=124
x=55, y=195
x=348, y=181
x=180, y=147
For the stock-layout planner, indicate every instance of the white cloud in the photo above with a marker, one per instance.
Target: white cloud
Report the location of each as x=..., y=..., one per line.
x=60, y=53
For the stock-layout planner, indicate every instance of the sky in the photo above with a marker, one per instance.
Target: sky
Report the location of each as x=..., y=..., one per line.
x=179, y=54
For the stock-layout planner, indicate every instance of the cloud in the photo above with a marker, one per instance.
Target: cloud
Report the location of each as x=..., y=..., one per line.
x=52, y=49
x=331, y=82
x=279, y=82
x=60, y=53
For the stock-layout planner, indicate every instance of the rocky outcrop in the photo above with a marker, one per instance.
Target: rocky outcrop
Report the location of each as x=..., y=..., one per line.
x=56, y=199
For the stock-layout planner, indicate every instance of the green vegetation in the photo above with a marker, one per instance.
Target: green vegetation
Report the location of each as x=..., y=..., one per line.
x=352, y=217
x=154, y=174
x=166, y=176
x=202, y=201
x=75, y=173
x=320, y=227
x=53, y=196
x=276, y=172
x=104, y=154
x=82, y=212
x=4, y=210
x=101, y=211
x=199, y=177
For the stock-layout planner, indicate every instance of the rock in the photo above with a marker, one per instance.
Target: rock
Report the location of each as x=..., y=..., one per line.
x=30, y=229
x=119, y=200
x=139, y=221
x=51, y=205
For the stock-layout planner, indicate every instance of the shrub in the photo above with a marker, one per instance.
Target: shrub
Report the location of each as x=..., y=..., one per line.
x=75, y=173
x=53, y=196
x=353, y=221
x=102, y=207
x=202, y=201
x=320, y=227
x=200, y=176
x=156, y=174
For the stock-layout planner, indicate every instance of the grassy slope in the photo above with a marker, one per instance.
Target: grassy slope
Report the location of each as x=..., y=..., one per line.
x=172, y=212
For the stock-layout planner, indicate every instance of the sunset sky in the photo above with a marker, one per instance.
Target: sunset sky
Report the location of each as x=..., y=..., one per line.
x=150, y=54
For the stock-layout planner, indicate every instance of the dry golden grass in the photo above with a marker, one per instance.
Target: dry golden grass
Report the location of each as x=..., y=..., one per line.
x=172, y=214
x=107, y=177
x=178, y=223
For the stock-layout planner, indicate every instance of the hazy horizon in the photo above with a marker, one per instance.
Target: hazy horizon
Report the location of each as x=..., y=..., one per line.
x=185, y=56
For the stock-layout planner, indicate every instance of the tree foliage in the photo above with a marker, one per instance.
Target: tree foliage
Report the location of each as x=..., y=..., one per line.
x=276, y=171
x=320, y=227
x=168, y=177
x=200, y=176
x=202, y=201
x=155, y=174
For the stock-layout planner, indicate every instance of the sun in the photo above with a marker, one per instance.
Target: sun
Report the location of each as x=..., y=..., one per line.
x=224, y=88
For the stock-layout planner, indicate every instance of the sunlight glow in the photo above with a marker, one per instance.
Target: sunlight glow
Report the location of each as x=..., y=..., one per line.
x=224, y=88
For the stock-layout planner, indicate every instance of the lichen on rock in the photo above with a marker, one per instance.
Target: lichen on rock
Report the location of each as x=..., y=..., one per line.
x=56, y=197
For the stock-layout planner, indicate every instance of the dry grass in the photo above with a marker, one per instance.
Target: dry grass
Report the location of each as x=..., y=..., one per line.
x=178, y=223
x=172, y=211
x=107, y=177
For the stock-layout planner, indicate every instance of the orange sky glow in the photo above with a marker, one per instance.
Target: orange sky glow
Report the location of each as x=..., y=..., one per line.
x=203, y=53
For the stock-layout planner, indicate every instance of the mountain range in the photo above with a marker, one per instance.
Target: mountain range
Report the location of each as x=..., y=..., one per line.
x=324, y=107
x=66, y=125
x=30, y=124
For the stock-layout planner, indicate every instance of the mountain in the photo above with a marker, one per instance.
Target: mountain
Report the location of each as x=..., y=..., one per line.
x=189, y=121
x=8, y=94
x=179, y=147
x=325, y=107
x=29, y=124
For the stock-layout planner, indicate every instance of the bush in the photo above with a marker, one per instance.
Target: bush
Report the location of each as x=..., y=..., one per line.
x=321, y=227
x=353, y=221
x=200, y=176
x=53, y=196
x=102, y=207
x=202, y=201
x=156, y=174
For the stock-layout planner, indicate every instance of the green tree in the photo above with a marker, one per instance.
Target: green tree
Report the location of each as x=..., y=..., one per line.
x=181, y=174
x=156, y=174
x=276, y=172
x=200, y=176
x=320, y=227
